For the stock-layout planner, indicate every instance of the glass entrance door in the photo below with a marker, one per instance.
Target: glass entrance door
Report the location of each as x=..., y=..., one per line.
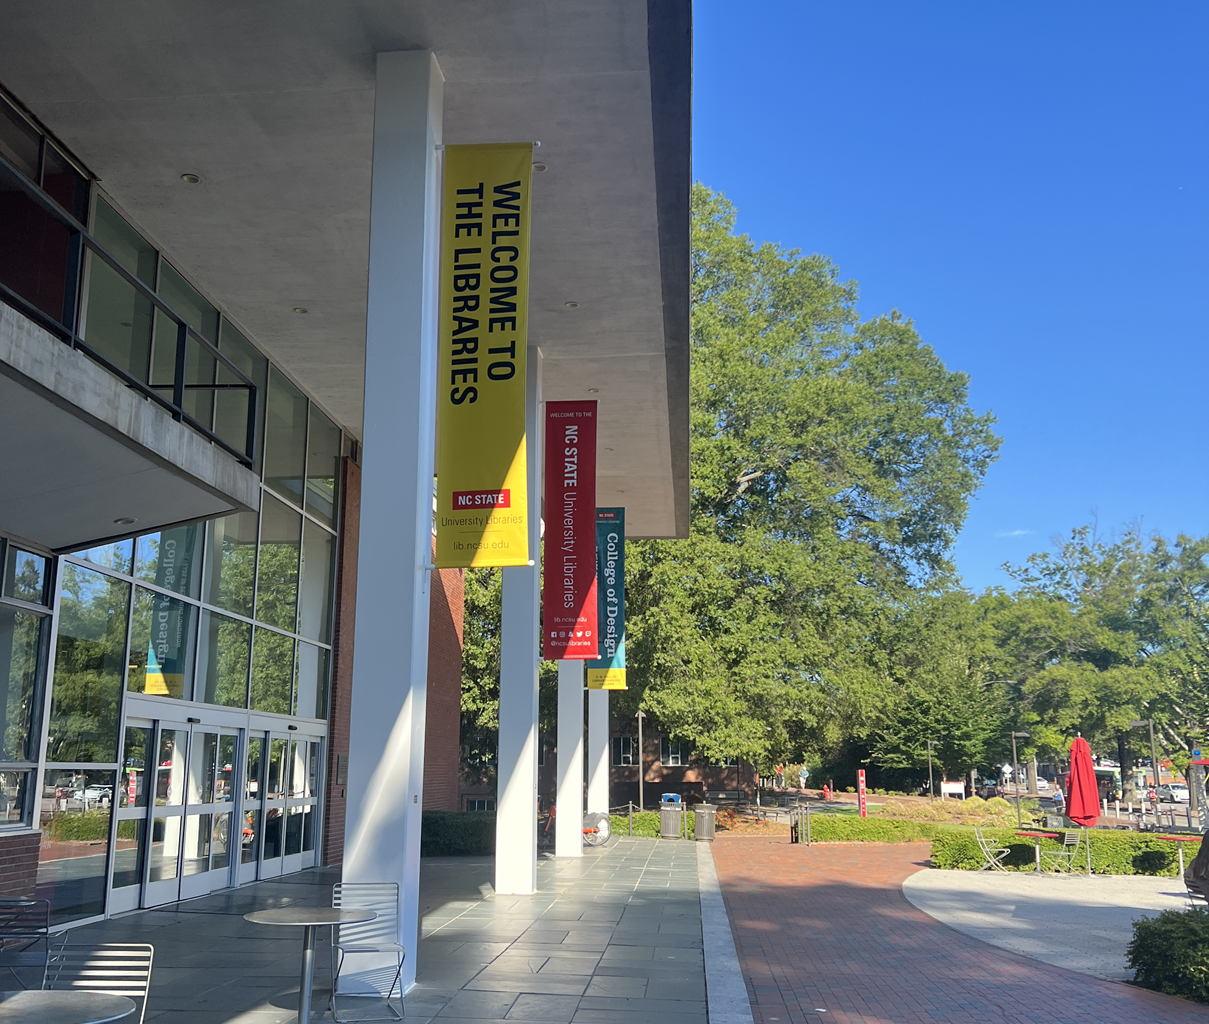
x=166, y=814
x=206, y=863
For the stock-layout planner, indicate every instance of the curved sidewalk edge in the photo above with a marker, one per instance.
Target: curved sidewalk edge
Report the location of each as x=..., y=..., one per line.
x=725, y=990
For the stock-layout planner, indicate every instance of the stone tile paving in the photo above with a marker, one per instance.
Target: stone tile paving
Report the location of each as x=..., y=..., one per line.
x=614, y=937
x=827, y=928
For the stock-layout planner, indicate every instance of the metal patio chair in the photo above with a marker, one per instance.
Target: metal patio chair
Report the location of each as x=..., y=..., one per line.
x=110, y=968
x=24, y=942
x=381, y=935
x=992, y=854
x=1063, y=860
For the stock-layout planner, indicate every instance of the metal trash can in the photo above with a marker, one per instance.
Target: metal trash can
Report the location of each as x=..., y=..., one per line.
x=670, y=821
x=703, y=822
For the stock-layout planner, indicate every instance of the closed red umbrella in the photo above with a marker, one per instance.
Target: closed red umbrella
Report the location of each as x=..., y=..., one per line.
x=1082, y=798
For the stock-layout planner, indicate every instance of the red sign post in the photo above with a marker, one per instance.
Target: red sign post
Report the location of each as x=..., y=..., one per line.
x=860, y=788
x=569, y=580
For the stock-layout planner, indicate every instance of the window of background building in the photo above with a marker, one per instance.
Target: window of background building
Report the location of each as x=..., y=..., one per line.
x=674, y=753
x=625, y=751
x=24, y=635
x=480, y=805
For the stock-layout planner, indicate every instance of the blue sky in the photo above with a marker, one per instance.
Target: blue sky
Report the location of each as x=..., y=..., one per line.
x=1028, y=182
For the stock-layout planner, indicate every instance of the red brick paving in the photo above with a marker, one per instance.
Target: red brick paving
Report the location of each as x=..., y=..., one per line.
x=828, y=927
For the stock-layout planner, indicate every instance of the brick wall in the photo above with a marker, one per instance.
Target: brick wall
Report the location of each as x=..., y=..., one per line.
x=19, y=863
x=443, y=722
x=342, y=659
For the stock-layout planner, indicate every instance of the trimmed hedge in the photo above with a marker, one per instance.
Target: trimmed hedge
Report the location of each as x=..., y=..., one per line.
x=845, y=828
x=646, y=824
x=1112, y=852
x=457, y=834
x=74, y=828
x=1170, y=953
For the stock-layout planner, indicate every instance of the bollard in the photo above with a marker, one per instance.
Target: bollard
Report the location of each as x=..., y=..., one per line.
x=630, y=814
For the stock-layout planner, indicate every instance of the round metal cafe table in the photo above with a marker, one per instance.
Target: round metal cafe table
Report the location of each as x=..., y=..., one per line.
x=41, y=1007
x=307, y=918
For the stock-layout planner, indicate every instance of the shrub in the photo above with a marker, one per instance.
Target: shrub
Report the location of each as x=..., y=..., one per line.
x=90, y=826
x=1112, y=852
x=997, y=803
x=846, y=828
x=646, y=824
x=457, y=834
x=1170, y=953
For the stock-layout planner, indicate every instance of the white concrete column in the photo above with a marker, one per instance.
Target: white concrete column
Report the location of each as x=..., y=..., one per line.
x=598, y=751
x=520, y=631
x=569, y=822
x=390, y=674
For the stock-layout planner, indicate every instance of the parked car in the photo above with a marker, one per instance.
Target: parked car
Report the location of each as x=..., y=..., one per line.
x=1173, y=793
x=1043, y=785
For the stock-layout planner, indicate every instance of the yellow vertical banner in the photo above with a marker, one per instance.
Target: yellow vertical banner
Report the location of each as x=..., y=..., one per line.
x=482, y=513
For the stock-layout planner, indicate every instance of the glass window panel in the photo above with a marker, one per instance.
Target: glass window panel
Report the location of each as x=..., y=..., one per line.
x=64, y=184
x=251, y=833
x=163, y=355
x=285, y=437
x=202, y=763
x=76, y=807
x=19, y=142
x=89, y=666
x=170, y=768
x=272, y=671
x=115, y=556
x=33, y=249
x=277, y=566
x=322, y=467
x=276, y=784
x=225, y=787
x=197, y=843
x=310, y=689
x=22, y=638
x=220, y=846
x=118, y=319
x=222, y=668
x=132, y=782
x=162, y=638
x=231, y=405
x=123, y=243
x=187, y=303
x=128, y=854
x=254, y=777
x=293, y=830
x=272, y=833
x=26, y=575
x=170, y=559
x=312, y=769
x=165, y=848
x=298, y=768
x=200, y=368
x=318, y=583
x=231, y=562
x=14, y=796
x=308, y=830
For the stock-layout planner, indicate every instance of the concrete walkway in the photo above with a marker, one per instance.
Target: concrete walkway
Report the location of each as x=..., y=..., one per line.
x=614, y=938
x=1071, y=921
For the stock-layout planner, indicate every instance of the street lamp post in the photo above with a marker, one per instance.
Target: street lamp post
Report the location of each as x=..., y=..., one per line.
x=1016, y=773
x=641, y=762
x=931, y=788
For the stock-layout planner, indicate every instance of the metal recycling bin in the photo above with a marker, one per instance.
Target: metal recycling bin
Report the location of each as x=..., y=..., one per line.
x=703, y=822
x=670, y=821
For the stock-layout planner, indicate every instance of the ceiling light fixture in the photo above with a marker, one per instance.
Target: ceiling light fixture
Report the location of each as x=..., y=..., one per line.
x=301, y=309
x=608, y=449
x=593, y=391
x=539, y=167
x=190, y=179
x=571, y=305
x=125, y=521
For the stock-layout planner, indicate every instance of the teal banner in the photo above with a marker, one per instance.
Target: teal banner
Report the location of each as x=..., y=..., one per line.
x=608, y=671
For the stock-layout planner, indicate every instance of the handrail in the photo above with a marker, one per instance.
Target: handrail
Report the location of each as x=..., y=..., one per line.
x=67, y=332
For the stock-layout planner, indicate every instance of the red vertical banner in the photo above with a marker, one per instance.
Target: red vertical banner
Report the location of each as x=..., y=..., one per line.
x=860, y=788
x=569, y=578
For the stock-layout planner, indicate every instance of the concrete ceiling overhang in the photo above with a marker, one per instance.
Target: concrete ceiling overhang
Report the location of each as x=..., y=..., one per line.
x=271, y=103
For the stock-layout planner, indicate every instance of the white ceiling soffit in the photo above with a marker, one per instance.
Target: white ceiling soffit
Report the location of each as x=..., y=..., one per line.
x=271, y=103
